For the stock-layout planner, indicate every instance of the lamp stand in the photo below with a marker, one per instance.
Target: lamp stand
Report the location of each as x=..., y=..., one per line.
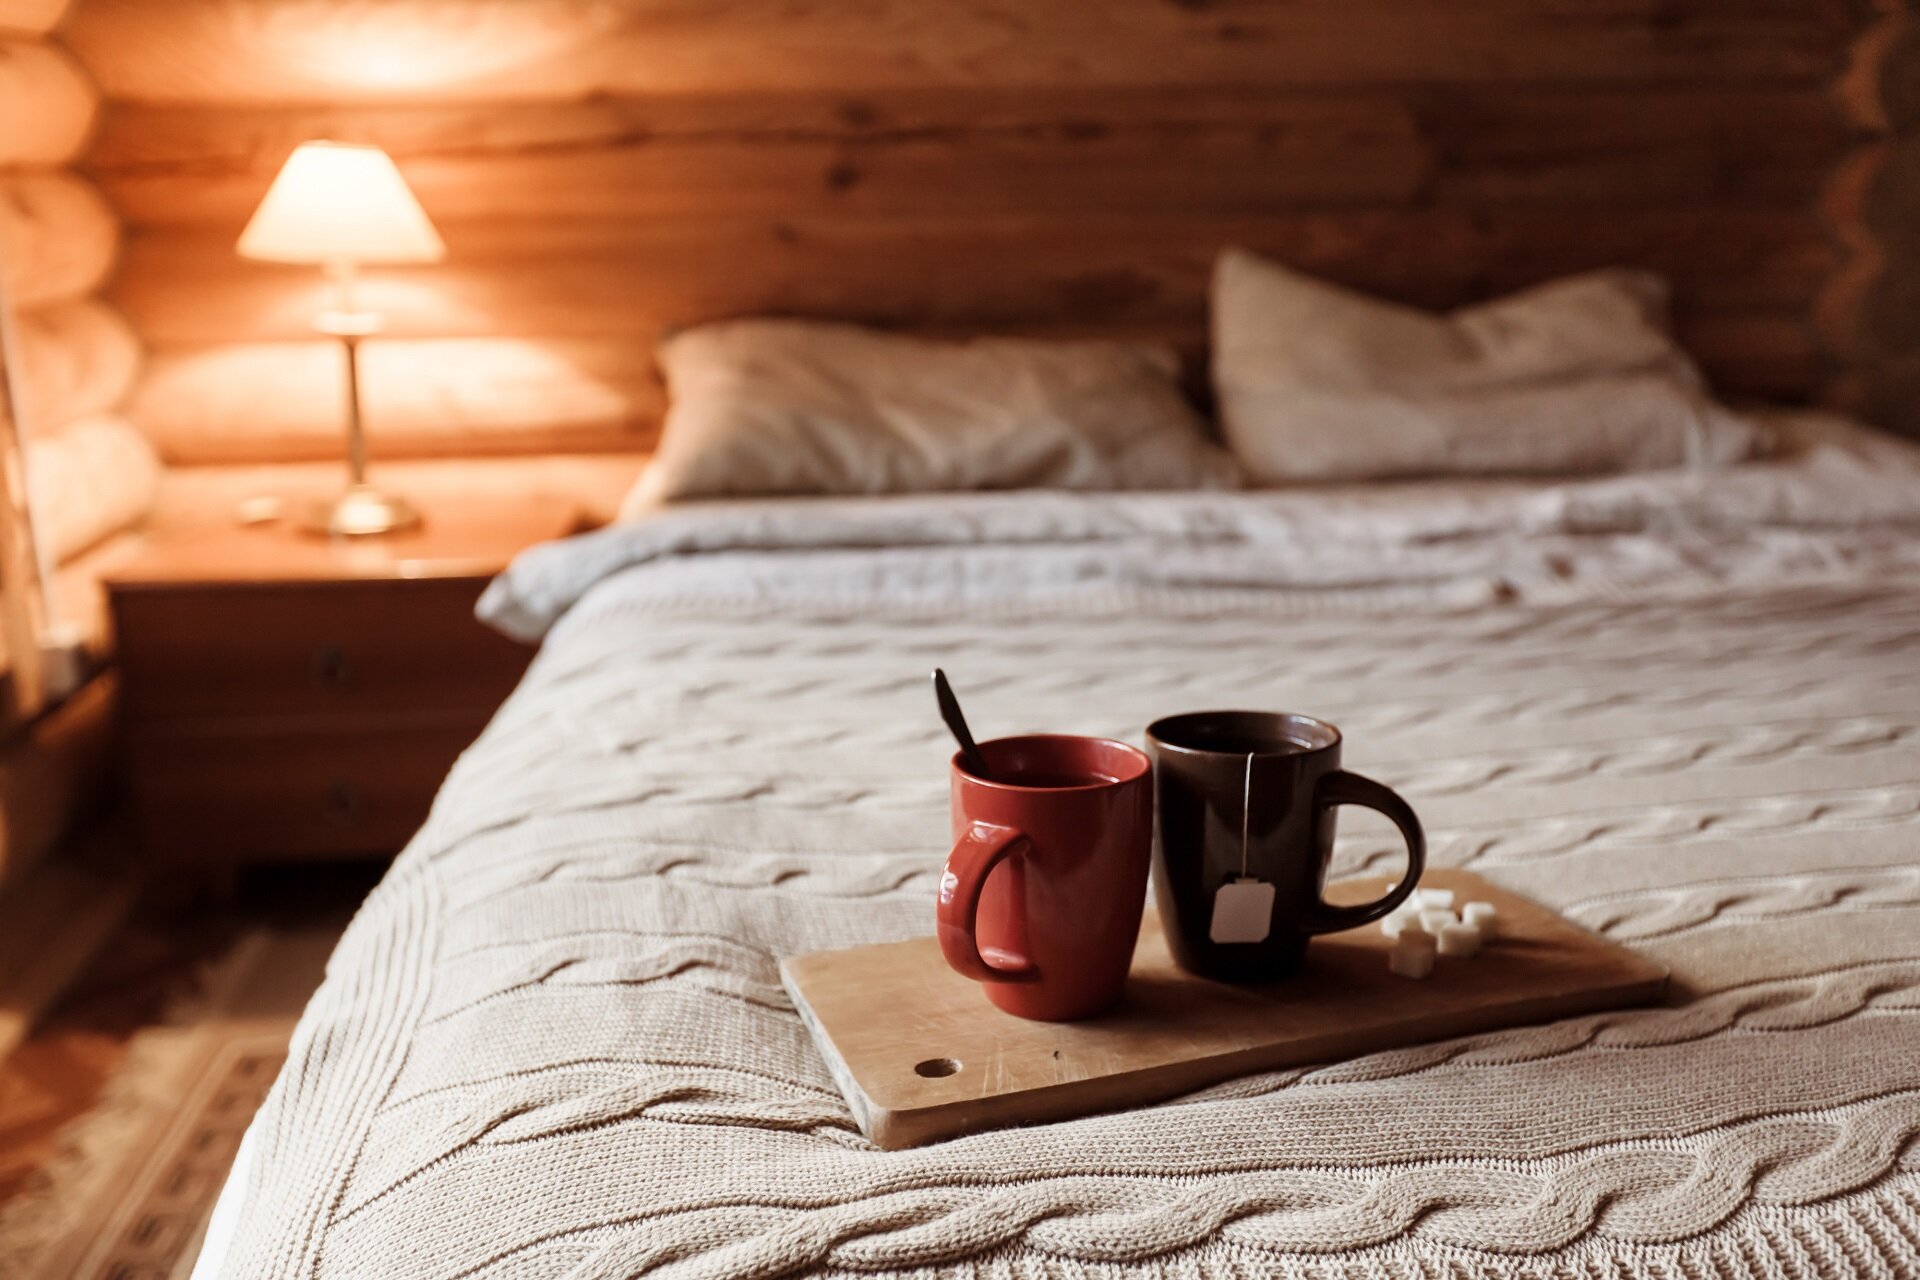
x=362, y=511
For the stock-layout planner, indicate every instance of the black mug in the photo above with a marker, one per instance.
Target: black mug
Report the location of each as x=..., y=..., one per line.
x=1244, y=820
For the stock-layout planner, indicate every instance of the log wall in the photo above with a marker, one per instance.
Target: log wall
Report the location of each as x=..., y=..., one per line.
x=604, y=172
x=83, y=478
x=88, y=474
x=58, y=235
x=1869, y=314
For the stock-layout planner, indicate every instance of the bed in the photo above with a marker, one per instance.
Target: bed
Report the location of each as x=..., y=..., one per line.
x=1682, y=709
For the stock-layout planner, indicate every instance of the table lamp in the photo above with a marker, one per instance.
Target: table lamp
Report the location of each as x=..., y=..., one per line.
x=338, y=206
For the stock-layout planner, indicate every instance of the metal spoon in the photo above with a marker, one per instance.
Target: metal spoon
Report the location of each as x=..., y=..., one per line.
x=957, y=725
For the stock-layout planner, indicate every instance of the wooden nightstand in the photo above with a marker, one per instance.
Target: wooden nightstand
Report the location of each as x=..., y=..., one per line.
x=287, y=697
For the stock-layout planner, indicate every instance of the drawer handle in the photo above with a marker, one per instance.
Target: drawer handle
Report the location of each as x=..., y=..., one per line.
x=331, y=669
x=345, y=802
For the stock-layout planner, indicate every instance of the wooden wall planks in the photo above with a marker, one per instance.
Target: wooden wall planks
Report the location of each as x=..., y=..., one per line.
x=268, y=51
x=606, y=171
x=634, y=278
x=1199, y=151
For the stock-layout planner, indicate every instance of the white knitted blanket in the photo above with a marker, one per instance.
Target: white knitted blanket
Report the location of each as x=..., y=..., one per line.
x=554, y=1043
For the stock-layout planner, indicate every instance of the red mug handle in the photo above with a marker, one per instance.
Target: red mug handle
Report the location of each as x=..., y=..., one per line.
x=1341, y=787
x=982, y=848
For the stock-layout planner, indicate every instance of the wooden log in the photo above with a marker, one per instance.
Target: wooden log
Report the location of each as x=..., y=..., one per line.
x=57, y=238
x=622, y=159
x=1844, y=198
x=260, y=402
x=31, y=17
x=89, y=480
x=281, y=50
x=636, y=279
x=214, y=137
x=925, y=152
x=1859, y=90
x=1880, y=87
x=1478, y=124
x=77, y=359
x=280, y=402
x=46, y=101
x=1869, y=310
x=1869, y=314
x=1666, y=146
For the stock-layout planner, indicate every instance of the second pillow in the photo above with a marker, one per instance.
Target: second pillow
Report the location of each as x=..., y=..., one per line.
x=1319, y=383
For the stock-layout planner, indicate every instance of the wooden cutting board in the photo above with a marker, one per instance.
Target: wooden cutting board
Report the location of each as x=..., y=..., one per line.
x=921, y=1055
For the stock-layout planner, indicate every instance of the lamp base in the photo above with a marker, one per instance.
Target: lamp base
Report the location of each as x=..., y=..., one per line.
x=361, y=512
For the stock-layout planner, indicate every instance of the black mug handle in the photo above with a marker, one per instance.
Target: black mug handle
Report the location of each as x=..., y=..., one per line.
x=1341, y=787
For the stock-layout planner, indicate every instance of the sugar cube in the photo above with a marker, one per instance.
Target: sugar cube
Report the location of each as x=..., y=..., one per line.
x=1426, y=898
x=1482, y=916
x=1411, y=962
x=1459, y=940
x=1397, y=919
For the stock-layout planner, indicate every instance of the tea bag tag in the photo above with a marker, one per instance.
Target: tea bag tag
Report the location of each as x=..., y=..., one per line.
x=1243, y=906
x=1242, y=911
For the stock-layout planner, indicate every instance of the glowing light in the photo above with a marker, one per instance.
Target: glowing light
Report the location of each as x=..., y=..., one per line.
x=335, y=202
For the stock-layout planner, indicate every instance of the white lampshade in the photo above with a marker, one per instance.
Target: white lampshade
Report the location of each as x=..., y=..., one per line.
x=337, y=202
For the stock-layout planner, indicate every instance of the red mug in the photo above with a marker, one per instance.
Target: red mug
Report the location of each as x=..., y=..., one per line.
x=1042, y=894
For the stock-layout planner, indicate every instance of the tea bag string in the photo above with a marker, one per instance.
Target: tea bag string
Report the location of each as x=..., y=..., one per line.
x=1246, y=816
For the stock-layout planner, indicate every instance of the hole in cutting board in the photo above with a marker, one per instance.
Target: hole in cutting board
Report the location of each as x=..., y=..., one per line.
x=936, y=1068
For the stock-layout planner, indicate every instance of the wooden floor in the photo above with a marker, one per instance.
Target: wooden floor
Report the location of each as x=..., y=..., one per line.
x=158, y=957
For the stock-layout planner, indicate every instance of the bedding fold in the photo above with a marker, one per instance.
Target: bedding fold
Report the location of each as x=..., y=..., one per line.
x=1838, y=499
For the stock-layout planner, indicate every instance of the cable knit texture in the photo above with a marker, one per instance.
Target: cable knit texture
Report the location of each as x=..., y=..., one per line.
x=555, y=1044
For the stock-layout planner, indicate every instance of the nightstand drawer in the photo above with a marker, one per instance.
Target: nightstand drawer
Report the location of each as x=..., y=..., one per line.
x=215, y=794
x=311, y=648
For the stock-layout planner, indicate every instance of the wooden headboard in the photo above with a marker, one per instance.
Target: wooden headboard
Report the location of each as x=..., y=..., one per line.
x=604, y=170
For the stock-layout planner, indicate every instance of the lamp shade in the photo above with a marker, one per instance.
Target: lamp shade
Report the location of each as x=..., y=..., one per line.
x=336, y=202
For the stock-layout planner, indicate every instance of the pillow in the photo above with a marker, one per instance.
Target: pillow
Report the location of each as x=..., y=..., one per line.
x=795, y=406
x=1316, y=382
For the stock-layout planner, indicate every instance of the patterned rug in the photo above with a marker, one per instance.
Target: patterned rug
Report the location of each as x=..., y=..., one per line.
x=128, y=1196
